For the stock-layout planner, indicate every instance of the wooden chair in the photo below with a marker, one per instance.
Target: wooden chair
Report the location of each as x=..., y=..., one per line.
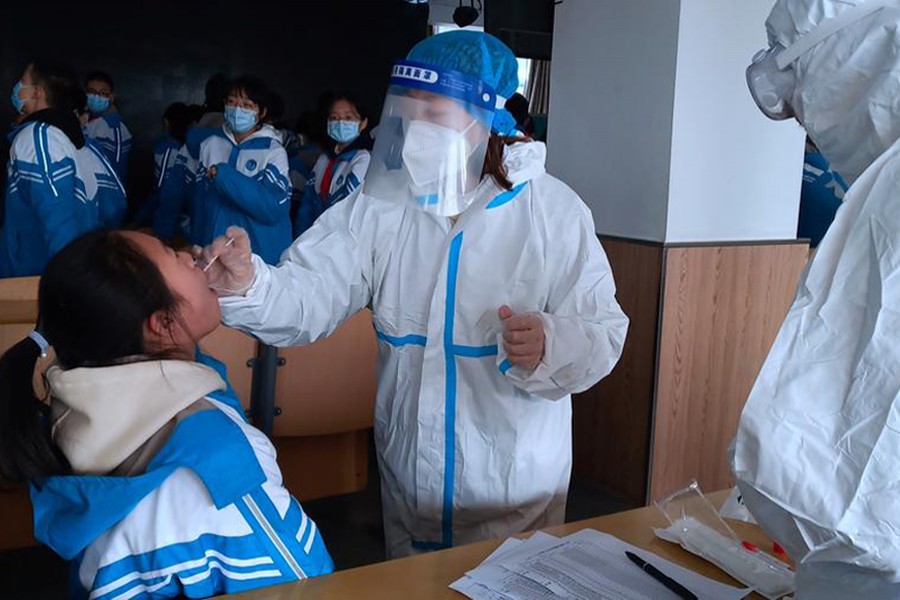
x=325, y=393
x=18, y=314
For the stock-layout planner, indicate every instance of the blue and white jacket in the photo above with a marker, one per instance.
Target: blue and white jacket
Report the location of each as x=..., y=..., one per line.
x=347, y=170
x=165, y=151
x=46, y=206
x=98, y=183
x=113, y=138
x=176, y=191
x=195, y=505
x=251, y=189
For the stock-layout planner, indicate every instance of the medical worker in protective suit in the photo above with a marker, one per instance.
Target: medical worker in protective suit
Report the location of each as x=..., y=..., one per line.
x=491, y=297
x=817, y=454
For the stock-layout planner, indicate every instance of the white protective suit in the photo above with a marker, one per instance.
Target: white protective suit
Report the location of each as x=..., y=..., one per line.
x=817, y=454
x=468, y=447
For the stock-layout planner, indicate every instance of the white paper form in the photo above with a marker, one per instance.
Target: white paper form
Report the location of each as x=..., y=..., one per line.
x=587, y=565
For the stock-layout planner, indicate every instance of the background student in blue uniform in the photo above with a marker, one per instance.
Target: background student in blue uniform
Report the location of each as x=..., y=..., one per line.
x=105, y=125
x=177, y=119
x=242, y=175
x=342, y=167
x=42, y=212
x=96, y=180
x=143, y=468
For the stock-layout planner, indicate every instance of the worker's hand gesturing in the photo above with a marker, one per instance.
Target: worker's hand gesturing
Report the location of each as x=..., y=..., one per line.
x=523, y=338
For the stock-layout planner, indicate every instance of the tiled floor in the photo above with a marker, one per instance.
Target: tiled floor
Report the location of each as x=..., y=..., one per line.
x=351, y=525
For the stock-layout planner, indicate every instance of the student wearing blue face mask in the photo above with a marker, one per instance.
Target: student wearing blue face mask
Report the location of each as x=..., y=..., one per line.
x=242, y=175
x=105, y=125
x=45, y=204
x=340, y=169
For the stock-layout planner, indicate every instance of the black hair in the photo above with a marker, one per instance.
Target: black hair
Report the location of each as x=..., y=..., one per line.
x=100, y=76
x=79, y=101
x=254, y=88
x=179, y=117
x=276, y=109
x=195, y=113
x=215, y=92
x=59, y=82
x=351, y=98
x=94, y=298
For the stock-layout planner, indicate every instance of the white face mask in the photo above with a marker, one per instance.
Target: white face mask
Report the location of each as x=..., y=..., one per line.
x=433, y=152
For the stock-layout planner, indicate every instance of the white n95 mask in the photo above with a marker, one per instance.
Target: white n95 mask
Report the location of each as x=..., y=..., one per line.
x=433, y=152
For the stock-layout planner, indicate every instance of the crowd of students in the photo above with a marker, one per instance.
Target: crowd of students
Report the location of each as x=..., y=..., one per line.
x=230, y=161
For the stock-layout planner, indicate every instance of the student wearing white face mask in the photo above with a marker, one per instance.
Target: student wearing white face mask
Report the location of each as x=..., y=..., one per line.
x=242, y=175
x=341, y=168
x=491, y=297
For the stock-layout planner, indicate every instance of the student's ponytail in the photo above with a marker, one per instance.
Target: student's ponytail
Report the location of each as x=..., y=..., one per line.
x=26, y=450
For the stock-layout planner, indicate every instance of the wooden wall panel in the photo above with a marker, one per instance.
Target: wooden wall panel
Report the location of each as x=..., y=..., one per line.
x=722, y=307
x=611, y=427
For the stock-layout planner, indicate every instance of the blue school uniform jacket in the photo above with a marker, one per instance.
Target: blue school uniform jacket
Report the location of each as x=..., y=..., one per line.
x=46, y=206
x=207, y=516
x=113, y=139
x=251, y=189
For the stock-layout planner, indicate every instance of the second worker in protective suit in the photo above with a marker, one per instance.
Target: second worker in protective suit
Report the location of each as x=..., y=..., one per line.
x=817, y=450
x=492, y=299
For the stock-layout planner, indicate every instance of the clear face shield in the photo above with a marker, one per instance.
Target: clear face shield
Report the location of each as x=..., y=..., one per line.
x=432, y=139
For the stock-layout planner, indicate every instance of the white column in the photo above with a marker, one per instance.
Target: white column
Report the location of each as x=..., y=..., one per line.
x=652, y=124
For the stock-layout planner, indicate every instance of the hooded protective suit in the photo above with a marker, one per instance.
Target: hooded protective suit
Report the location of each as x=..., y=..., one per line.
x=817, y=450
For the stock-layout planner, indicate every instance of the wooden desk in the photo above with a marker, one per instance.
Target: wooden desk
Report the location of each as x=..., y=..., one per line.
x=428, y=575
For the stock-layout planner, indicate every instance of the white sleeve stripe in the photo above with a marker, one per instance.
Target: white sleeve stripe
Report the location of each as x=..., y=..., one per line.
x=42, y=136
x=118, y=144
x=162, y=170
x=140, y=589
x=273, y=537
x=312, y=536
x=230, y=574
x=190, y=564
x=303, y=523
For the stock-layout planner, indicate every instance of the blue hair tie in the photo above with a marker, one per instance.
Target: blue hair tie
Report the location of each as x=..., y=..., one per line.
x=41, y=341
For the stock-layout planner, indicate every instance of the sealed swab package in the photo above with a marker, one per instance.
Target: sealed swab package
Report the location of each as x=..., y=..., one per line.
x=696, y=526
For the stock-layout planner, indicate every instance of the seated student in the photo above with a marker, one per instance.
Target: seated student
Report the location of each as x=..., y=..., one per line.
x=242, y=175
x=143, y=469
x=342, y=167
x=97, y=182
x=105, y=126
x=176, y=120
x=41, y=211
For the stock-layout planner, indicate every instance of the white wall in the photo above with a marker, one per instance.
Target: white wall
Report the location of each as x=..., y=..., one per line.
x=735, y=175
x=610, y=124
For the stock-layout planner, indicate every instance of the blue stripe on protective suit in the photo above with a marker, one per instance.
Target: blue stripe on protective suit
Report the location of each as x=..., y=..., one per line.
x=405, y=340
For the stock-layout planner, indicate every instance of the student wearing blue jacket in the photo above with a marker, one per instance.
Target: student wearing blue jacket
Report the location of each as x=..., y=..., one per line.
x=105, y=125
x=144, y=472
x=342, y=167
x=242, y=175
x=45, y=206
x=177, y=118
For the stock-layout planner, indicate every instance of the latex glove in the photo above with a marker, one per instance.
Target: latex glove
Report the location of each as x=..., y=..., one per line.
x=228, y=263
x=523, y=338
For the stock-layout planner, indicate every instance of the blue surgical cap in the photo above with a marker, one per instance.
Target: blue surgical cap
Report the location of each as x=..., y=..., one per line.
x=477, y=54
